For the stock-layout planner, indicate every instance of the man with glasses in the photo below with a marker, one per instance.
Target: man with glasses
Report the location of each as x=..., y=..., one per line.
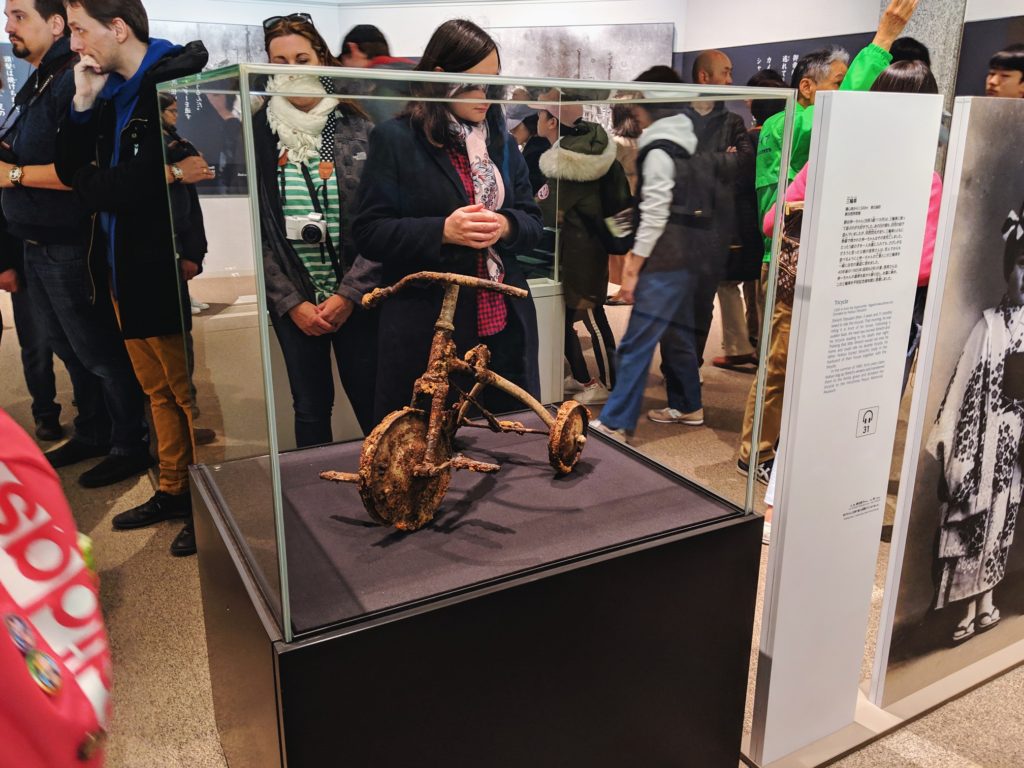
x=40, y=209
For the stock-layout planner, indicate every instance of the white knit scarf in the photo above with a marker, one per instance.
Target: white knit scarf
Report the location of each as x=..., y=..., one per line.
x=299, y=133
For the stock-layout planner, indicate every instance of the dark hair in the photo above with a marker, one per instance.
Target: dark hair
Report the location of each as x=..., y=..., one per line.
x=817, y=64
x=131, y=12
x=530, y=123
x=370, y=40
x=455, y=46
x=50, y=8
x=909, y=49
x=661, y=74
x=1010, y=59
x=305, y=29
x=762, y=109
x=905, y=76
x=624, y=122
x=166, y=100
x=1011, y=253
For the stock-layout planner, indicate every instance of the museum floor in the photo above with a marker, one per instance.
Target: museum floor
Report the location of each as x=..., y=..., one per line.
x=163, y=709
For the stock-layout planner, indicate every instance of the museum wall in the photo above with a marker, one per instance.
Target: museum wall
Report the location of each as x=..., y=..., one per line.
x=980, y=10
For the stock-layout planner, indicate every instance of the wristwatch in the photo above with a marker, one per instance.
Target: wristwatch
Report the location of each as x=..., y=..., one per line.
x=177, y=173
x=15, y=175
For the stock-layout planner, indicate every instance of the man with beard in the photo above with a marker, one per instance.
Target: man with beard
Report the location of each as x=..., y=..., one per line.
x=40, y=210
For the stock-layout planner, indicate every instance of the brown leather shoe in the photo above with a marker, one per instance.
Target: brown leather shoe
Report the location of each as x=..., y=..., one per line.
x=734, y=361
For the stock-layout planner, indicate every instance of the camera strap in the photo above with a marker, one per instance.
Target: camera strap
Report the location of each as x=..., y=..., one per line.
x=315, y=198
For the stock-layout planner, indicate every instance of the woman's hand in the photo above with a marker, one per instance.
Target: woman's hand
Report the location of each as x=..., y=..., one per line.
x=474, y=227
x=307, y=317
x=335, y=310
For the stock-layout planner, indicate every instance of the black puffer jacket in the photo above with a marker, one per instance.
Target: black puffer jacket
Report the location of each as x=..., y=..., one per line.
x=147, y=277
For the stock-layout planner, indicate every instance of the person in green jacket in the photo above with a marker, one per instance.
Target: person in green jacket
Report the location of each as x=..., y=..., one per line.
x=824, y=70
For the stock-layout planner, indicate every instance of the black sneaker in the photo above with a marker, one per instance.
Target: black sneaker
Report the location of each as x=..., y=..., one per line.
x=74, y=451
x=163, y=506
x=184, y=543
x=115, y=468
x=49, y=429
x=763, y=472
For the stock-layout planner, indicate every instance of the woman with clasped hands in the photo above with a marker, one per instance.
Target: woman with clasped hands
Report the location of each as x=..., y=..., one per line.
x=446, y=189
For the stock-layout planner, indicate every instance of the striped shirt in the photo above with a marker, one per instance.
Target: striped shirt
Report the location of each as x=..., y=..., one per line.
x=315, y=258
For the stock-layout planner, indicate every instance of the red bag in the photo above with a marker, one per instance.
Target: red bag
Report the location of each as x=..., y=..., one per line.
x=54, y=655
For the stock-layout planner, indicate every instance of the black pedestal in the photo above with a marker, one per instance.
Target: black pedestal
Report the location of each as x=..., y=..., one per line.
x=632, y=652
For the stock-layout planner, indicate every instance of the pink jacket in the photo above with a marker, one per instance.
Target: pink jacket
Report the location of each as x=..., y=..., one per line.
x=797, y=191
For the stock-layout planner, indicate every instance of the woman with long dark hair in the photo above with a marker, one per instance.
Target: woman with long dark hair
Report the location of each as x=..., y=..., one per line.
x=446, y=189
x=310, y=149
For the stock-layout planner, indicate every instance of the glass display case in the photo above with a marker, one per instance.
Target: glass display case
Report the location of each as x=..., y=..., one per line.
x=292, y=369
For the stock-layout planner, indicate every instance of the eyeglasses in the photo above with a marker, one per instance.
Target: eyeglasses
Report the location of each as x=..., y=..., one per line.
x=273, y=21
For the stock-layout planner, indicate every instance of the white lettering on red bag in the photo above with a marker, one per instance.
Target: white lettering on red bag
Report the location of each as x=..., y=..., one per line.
x=43, y=573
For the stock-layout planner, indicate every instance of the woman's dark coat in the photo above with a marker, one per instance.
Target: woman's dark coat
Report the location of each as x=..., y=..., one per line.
x=409, y=188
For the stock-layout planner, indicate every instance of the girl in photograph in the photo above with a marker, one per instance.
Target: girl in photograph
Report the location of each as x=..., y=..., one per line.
x=977, y=441
x=446, y=189
x=310, y=150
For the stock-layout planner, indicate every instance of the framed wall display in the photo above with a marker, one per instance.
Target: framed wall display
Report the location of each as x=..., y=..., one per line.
x=594, y=52
x=955, y=588
x=981, y=40
x=748, y=60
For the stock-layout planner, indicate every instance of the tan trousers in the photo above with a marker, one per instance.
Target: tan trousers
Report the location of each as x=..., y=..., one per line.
x=774, y=386
x=735, y=332
x=161, y=366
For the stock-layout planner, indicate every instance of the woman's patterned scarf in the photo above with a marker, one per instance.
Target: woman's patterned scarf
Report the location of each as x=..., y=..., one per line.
x=488, y=187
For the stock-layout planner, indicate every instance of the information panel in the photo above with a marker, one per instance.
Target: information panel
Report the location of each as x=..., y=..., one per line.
x=868, y=190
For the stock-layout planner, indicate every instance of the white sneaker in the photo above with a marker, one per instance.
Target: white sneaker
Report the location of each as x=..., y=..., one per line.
x=570, y=386
x=672, y=416
x=194, y=309
x=592, y=393
x=618, y=435
x=197, y=306
x=766, y=534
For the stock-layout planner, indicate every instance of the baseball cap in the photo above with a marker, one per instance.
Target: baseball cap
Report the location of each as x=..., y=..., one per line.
x=516, y=113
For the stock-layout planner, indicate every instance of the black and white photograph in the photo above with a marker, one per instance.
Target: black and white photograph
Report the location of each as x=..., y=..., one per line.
x=961, y=589
x=616, y=52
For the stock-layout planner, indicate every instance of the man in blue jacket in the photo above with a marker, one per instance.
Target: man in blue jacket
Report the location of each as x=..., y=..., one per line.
x=110, y=151
x=42, y=211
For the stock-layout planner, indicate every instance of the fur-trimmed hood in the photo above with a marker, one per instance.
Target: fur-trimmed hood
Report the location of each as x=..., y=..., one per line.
x=585, y=156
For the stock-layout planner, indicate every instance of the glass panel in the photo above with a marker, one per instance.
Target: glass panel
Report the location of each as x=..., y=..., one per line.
x=213, y=224
x=376, y=202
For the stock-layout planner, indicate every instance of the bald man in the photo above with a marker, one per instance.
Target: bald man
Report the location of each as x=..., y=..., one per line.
x=724, y=133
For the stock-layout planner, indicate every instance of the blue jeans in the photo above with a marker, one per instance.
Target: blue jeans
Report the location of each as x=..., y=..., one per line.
x=81, y=329
x=36, y=354
x=663, y=310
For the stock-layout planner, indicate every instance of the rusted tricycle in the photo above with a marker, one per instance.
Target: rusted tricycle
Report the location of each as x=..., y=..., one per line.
x=406, y=461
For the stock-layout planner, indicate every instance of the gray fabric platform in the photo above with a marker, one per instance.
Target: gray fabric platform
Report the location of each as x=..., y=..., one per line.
x=341, y=565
